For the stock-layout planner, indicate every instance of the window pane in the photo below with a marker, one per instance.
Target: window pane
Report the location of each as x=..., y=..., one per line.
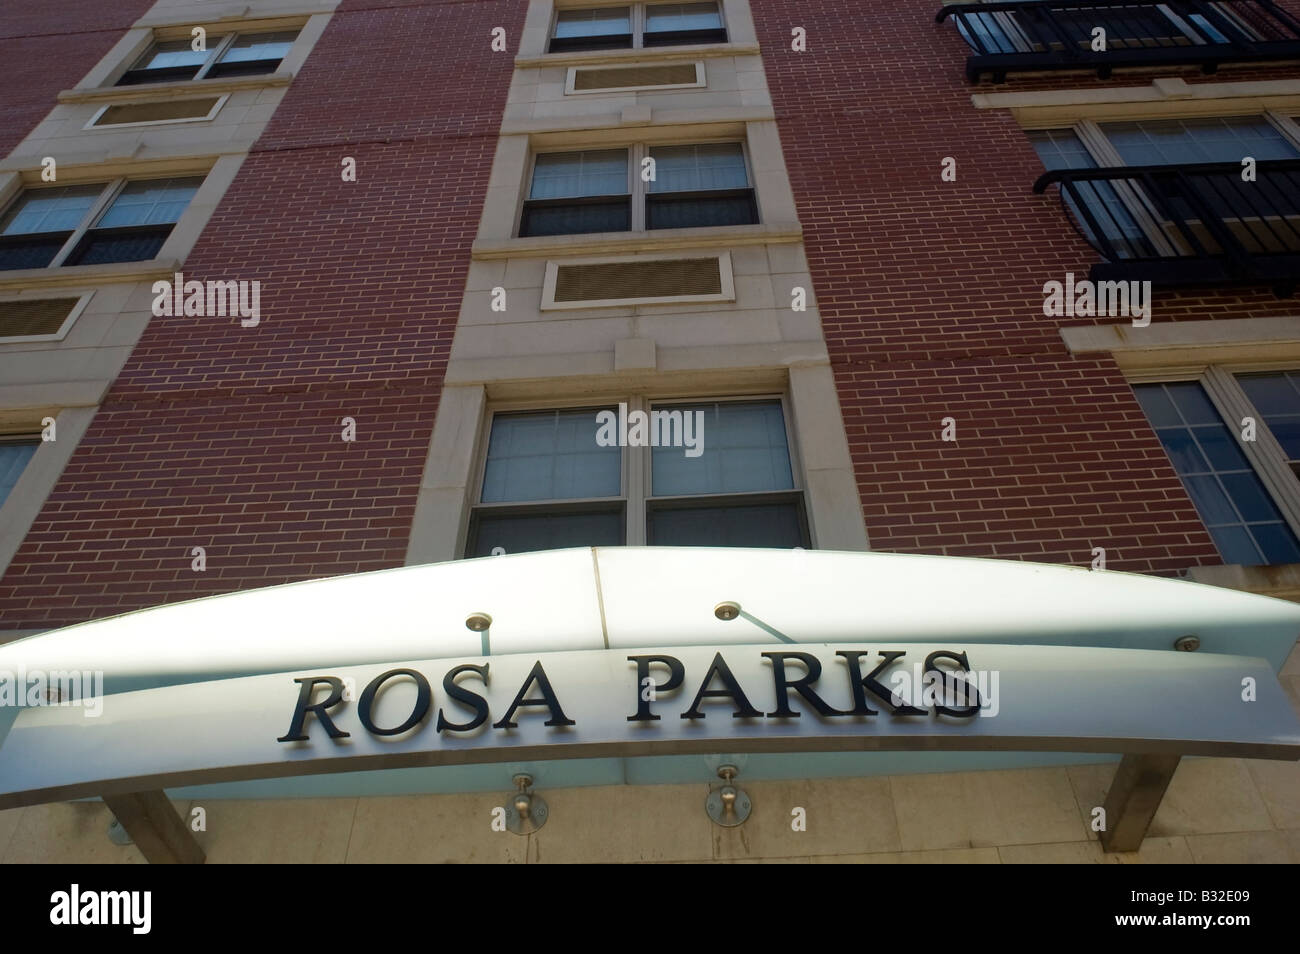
x=766, y=525
x=1217, y=139
x=150, y=202
x=1242, y=517
x=50, y=210
x=1236, y=545
x=1060, y=149
x=1277, y=399
x=608, y=21
x=1276, y=542
x=577, y=219
x=552, y=455
x=172, y=54
x=13, y=458
x=259, y=46
x=744, y=449
x=667, y=17
x=700, y=167
x=566, y=175
x=527, y=533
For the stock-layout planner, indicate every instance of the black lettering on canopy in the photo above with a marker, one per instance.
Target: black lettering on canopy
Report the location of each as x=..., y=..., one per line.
x=305, y=705
x=802, y=686
x=720, y=669
x=676, y=675
x=423, y=696
x=861, y=685
x=538, y=675
x=465, y=697
x=953, y=686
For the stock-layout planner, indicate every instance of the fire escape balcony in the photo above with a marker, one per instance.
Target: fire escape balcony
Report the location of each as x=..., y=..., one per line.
x=1189, y=225
x=1013, y=37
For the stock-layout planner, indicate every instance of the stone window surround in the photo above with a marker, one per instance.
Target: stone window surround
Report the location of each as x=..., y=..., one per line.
x=218, y=173
x=634, y=479
x=818, y=446
x=540, y=19
x=212, y=114
x=310, y=24
x=1163, y=98
x=512, y=165
x=24, y=503
x=1212, y=352
x=638, y=189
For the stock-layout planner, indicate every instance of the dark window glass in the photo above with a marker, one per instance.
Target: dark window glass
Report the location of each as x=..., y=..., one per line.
x=135, y=226
x=40, y=222
x=700, y=185
x=253, y=54
x=605, y=28
x=1243, y=519
x=578, y=192
x=169, y=60
x=1276, y=396
x=670, y=24
x=14, y=455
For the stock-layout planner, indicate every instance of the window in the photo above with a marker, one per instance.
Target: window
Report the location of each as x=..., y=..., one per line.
x=693, y=186
x=1139, y=219
x=717, y=473
x=15, y=451
x=123, y=221
x=637, y=26
x=237, y=54
x=1276, y=396
x=1241, y=515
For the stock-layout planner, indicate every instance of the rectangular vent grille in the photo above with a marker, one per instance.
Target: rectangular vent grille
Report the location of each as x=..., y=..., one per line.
x=18, y=319
x=671, y=278
x=156, y=112
x=671, y=74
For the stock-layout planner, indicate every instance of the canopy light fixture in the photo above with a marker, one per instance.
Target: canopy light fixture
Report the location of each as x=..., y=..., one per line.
x=526, y=812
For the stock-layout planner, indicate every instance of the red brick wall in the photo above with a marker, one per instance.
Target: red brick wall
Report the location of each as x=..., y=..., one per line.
x=228, y=438
x=931, y=297
x=48, y=46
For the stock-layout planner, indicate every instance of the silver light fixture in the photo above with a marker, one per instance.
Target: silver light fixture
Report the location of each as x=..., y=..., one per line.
x=728, y=804
x=526, y=811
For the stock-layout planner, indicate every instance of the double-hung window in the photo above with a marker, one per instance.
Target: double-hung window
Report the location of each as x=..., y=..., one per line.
x=716, y=473
x=121, y=221
x=1235, y=470
x=236, y=54
x=642, y=187
x=635, y=26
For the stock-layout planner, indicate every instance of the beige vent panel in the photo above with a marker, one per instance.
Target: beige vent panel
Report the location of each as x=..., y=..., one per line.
x=670, y=74
x=157, y=112
x=606, y=281
x=19, y=319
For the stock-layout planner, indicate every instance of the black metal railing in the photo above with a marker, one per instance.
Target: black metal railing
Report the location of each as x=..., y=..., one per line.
x=1063, y=34
x=1204, y=224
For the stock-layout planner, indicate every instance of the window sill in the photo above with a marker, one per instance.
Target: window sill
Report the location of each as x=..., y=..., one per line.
x=186, y=89
x=621, y=243
x=1281, y=581
x=73, y=276
x=652, y=53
